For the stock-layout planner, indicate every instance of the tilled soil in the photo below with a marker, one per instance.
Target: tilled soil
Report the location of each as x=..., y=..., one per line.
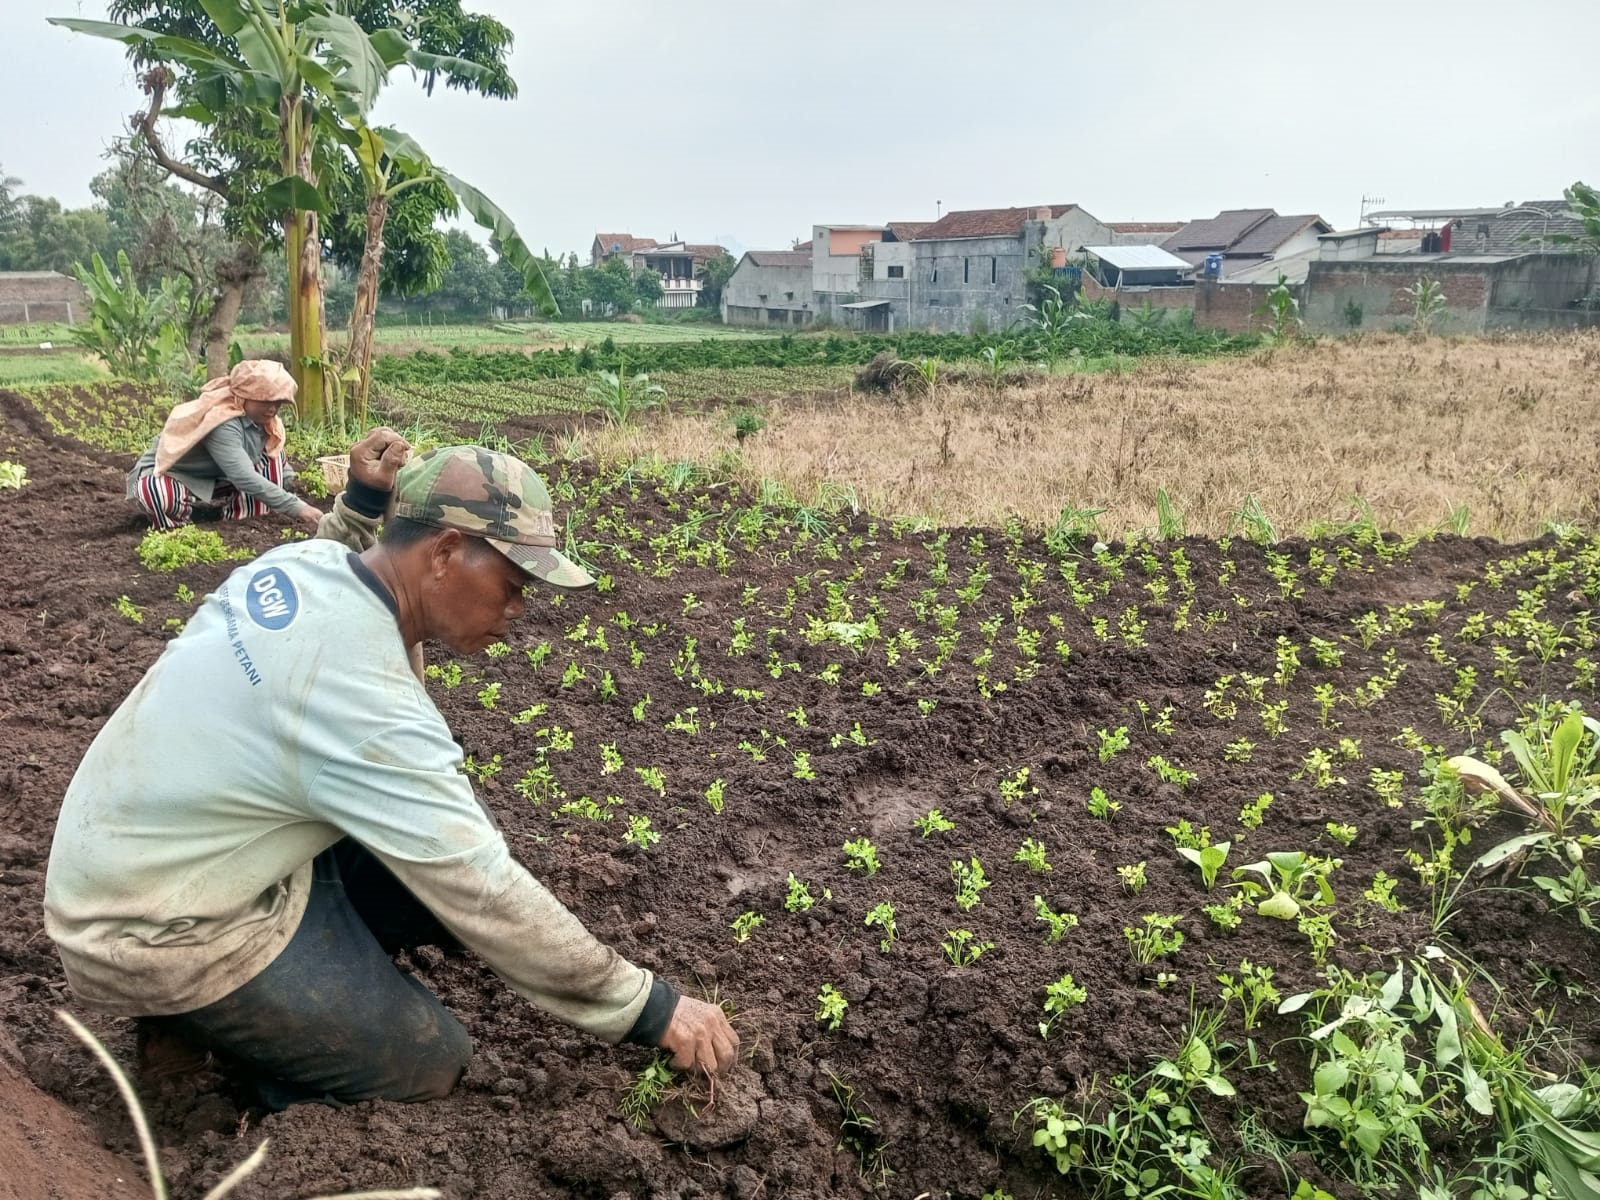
x=918, y=1090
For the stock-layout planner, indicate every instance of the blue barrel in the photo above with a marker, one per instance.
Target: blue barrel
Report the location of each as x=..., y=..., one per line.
x=1213, y=268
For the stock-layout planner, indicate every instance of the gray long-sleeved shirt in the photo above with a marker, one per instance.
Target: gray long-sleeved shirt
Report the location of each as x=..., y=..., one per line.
x=229, y=453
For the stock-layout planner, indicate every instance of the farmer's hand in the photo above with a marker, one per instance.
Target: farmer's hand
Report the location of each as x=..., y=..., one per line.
x=376, y=457
x=309, y=515
x=700, y=1037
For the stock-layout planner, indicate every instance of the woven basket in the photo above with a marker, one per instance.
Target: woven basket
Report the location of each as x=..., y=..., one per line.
x=335, y=470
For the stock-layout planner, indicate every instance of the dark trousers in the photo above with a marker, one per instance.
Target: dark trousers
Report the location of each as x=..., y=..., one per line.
x=331, y=1019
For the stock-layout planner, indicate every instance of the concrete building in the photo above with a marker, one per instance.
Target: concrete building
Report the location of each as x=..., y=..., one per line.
x=29, y=297
x=677, y=263
x=770, y=287
x=1142, y=233
x=1245, y=237
x=970, y=268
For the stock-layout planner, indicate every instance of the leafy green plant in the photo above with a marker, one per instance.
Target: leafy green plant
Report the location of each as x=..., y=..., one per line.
x=882, y=916
x=798, y=897
x=647, y=1091
x=1209, y=859
x=1253, y=988
x=1101, y=806
x=1113, y=743
x=831, y=1006
x=622, y=397
x=861, y=855
x=127, y=609
x=1427, y=303
x=1133, y=877
x=639, y=833
x=715, y=793
x=960, y=949
x=1158, y=937
x=745, y=924
x=13, y=475
x=933, y=821
x=1057, y=922
x=1289, y=879
x=1032, y=855
x=168, y=550
x=970, y=882
x=1060, y=998
x=1282, y=311
x=135, y=332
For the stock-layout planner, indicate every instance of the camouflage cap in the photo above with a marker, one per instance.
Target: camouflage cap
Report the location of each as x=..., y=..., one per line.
x=493, y=496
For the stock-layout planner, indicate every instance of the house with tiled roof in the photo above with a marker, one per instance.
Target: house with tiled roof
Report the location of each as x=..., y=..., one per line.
x=678, y=264
x=770, y=287
x=608, y=245
x=1237, y=238
x=970, y=267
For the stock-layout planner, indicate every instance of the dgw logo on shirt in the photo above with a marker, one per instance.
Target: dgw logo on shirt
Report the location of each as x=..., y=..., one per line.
x=271, y=600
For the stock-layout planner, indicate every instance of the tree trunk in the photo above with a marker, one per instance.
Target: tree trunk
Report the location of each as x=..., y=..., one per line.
x=303, y=246
x=235, y=274
x=366, y=301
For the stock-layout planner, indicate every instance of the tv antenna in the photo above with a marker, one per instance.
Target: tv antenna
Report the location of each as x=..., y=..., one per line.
x=1368, y=202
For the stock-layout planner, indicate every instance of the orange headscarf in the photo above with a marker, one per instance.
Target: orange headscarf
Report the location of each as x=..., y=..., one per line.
x=221, y=400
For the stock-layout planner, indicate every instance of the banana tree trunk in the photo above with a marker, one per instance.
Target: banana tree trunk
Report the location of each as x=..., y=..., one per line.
x=366, y=301
x=303, y=246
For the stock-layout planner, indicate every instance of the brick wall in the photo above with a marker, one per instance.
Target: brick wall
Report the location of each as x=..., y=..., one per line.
x=1230, y=306
x=37, y=297
x=1377, y=288
x=1132, y=298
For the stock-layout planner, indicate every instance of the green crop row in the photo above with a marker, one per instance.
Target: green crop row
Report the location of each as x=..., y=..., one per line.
x=1097, y=338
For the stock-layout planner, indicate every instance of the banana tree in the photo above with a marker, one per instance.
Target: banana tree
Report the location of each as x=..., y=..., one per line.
x=304, y=66
x=391, y=162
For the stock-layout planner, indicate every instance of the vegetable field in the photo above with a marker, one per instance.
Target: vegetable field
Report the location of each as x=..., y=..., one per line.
x=1029, y=864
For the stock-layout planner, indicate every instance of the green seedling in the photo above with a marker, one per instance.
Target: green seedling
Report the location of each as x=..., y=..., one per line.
x=1159, y=937
x=960, y=949
x=639, y=834
x=745, y=924
x=1101, y=806
x=1032, y=854
x=861, y=855
x=1253, y=988
x=1058, y=922
x=970, y=882
x=1113, y=743
x=882, y=916
x=1289, y=879
x=715, y=793
x=933, y=822
x=831, y=1006
x=1132, y=877
x=1209, y=859
x=1060, y=998
x=798, y=898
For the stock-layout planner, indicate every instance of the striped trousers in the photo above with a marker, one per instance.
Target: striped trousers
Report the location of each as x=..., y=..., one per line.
x=170, y=504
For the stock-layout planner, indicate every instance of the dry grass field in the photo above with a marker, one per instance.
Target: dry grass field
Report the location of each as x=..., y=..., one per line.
x=1493, y=437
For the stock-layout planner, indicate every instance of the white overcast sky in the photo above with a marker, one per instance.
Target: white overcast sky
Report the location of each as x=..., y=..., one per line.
x=745, y=122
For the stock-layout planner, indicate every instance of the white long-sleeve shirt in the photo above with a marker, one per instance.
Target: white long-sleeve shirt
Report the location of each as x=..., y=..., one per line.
x=284, y=717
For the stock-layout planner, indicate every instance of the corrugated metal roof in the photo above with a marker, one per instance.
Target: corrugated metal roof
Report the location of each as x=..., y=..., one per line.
x=1138, y=258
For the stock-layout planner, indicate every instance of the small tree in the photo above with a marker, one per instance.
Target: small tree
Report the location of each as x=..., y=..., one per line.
x=713, y=275
x=1427, y=302
x=1282, y=311
x=134, y=332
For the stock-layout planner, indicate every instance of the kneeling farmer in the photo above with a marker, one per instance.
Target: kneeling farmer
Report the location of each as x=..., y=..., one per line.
x=276, y=809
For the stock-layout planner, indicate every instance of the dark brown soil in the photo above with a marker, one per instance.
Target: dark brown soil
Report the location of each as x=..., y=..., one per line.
x=935, y=1061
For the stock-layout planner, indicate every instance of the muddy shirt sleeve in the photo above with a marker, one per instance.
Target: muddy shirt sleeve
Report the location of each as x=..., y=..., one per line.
x=225, y=444
x=353, y=522
x=400, y=795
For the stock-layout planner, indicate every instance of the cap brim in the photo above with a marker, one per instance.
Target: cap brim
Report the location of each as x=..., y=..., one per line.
x=546, y=565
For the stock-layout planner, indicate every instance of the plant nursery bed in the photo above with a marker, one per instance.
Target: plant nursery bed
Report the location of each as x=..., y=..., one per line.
x=683, y=756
